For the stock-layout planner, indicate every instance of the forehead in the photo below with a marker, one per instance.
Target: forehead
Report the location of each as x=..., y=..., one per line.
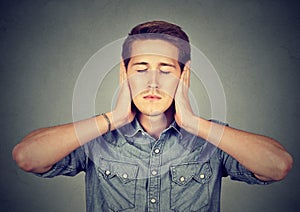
x=154, y=47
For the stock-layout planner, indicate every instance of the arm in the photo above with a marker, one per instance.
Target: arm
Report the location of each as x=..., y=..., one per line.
x=263, y=156
x=42, y=148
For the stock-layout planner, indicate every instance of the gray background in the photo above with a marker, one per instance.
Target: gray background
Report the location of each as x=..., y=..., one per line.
x=254, y=46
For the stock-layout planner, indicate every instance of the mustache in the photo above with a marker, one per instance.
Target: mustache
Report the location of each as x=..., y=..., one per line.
x=152, y=92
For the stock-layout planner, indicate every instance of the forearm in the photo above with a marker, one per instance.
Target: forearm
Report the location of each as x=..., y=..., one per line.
x=42, y=148
x=262, y=155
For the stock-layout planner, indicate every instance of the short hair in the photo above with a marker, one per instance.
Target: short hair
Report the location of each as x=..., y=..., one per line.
x=160, y=30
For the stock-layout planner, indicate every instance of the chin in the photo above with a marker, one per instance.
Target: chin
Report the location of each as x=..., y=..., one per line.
x=152, y=112
x=152, y=109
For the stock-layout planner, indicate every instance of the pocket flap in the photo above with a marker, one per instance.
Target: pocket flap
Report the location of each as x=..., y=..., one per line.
x=124, y=171
x=183, y=173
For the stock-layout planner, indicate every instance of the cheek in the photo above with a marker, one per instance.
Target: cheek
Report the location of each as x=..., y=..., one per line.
x=137, y=84
x=169, y=85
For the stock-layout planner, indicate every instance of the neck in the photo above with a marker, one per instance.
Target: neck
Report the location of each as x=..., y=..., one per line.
x=154, y=125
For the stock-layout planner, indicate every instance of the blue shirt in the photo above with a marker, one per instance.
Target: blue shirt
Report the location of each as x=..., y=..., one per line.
x=128, y=170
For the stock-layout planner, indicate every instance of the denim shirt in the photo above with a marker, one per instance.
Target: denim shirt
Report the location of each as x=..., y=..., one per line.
x=128, y=170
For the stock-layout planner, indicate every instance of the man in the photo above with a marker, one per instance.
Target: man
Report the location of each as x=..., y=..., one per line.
x=152, y=153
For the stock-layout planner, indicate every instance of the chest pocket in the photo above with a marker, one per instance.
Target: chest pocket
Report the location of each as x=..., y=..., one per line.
x=118, y=183
x=189, y=186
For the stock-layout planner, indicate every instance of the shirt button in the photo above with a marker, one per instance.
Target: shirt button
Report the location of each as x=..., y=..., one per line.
x=125, y=176
x=182, y=179
x=107, y=172
x=202, y=176
x=156, y=151
x=154, y=172
x=153, y=200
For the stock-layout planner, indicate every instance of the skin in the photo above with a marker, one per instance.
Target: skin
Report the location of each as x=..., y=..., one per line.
x=153, y=92
x=153, y=79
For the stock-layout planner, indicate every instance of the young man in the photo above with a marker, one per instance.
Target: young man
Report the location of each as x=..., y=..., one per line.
x=151, y=153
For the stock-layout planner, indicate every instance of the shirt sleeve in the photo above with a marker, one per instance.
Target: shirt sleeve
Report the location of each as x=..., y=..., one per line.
x=236, y=171
x=71, y=165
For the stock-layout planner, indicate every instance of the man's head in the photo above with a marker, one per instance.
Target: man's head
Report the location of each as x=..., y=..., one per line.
x=154, y=55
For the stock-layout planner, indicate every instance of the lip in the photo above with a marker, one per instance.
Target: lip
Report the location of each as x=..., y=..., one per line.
x=152, y=97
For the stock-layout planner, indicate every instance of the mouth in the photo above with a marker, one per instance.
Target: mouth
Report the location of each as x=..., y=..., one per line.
x=152, y=97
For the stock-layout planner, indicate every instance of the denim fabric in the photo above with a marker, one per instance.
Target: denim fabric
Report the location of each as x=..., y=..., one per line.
x=128, y=170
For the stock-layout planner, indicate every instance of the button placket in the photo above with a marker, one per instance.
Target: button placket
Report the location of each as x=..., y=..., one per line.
x=153, y=200
x=154, y=177
x=153, y=172
x=157, y=151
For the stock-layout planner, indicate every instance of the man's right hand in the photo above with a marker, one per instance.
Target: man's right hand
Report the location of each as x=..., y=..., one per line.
x=122, y=113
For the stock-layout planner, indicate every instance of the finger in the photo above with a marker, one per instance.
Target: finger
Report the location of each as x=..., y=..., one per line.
x=183, y=80
x=180, y=82
x=121, y=74
x=122, y=71
x=187, y=74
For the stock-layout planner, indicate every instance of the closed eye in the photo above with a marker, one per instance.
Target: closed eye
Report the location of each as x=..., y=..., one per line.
x=141, y=70
x=165, y=72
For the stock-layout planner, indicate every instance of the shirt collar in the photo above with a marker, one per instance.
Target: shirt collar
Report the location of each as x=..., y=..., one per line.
x=176, y=127
x=130, y=130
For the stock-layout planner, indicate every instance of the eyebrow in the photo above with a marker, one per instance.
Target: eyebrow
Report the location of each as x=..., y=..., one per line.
x=160, y=64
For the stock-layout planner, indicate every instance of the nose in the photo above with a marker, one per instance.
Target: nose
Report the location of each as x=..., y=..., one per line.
x=153, y=79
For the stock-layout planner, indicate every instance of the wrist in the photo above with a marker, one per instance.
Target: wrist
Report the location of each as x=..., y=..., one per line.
x=118, y=120
x=192, y=125
x=104, y=123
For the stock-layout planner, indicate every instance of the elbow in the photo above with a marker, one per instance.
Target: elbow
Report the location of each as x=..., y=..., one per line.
x=20, y=157
x=284, y=167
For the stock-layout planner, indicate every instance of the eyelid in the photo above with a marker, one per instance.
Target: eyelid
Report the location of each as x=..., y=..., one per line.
x=165, y=71
x=140, y=67
x=141, y=70
x=167, y=67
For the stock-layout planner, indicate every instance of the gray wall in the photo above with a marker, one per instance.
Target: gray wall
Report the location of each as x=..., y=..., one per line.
x=254, y=46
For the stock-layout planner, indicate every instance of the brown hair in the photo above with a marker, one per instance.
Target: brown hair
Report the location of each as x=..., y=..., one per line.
x=159, y=30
